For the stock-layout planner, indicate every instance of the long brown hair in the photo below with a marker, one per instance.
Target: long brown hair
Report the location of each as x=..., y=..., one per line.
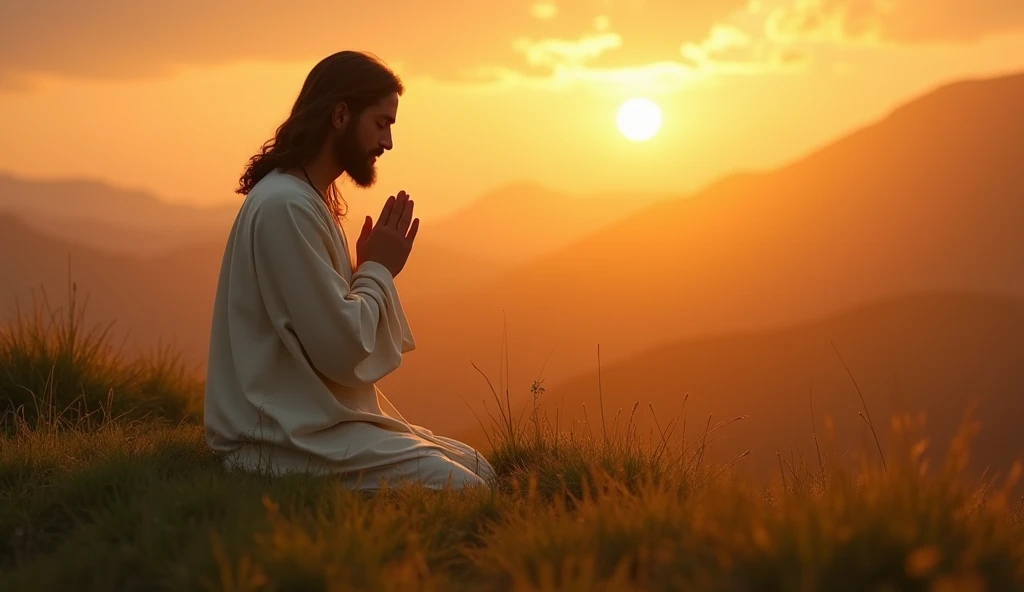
x=356, y=78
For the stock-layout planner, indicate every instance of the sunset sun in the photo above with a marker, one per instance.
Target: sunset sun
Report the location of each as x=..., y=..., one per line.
x=639, y=119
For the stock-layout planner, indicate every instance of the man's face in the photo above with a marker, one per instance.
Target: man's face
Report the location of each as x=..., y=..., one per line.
x=364, y=138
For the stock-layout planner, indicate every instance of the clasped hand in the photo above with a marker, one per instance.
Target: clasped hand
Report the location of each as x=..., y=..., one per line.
x=390, y=240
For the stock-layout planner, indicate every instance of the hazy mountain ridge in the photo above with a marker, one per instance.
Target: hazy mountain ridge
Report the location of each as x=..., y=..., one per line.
x=928, y=199
x=930, y=353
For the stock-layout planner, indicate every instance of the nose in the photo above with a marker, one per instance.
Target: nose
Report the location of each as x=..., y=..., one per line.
x=386, y=142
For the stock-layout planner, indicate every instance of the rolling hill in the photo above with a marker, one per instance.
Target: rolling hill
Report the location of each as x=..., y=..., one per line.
x=930, y=198
x=163, y=298
x=510, y=225
x=448, y=257
x=932, y=353
x=99, y=215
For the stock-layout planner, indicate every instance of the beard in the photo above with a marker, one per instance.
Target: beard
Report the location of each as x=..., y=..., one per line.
x=354, y=159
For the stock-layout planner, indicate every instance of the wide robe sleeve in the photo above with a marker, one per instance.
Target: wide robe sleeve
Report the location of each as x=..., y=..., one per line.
x=352, y=334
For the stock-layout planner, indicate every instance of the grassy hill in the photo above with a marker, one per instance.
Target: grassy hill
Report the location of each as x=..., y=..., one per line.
x=116, y=501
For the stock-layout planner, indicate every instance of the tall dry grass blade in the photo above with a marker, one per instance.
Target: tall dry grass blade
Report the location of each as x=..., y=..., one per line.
x=782, y=472
x=497, y=399
x=586, y=422
x=508, y=403
x=864, y=403
x=703, y=444
x=734, y=462
x=814, y=434
x=479, y=422
x=600, y=395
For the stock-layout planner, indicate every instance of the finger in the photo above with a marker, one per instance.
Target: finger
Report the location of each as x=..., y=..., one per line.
x=413, y=230
x=385, y=213
x=399, y=209
x=367, y=227
x=403, y=223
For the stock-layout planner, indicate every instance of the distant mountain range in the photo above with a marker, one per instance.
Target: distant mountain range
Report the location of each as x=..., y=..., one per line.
x=512, y=224
x=454, y=254
x=109, y=218
x=929, y=200
x=166, y=297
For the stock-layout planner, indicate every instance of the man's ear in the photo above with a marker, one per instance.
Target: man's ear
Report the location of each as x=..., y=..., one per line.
x=341, y=116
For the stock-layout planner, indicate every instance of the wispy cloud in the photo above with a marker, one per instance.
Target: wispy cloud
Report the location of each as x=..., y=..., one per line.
x=906, y=22
x=729, y=49
x=561, y=53
x=735, y=43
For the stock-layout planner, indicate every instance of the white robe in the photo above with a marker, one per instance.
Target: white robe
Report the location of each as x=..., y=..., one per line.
x=297, y=344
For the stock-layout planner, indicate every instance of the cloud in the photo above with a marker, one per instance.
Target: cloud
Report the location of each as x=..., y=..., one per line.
x=732, y=43
x=722, y=39
x=906, y=22
x=449, y=40
x=729, y=49
x=559, y=53
x=651, y=31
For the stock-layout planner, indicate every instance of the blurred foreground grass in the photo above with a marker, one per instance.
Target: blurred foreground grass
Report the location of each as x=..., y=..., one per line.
x=106, y=484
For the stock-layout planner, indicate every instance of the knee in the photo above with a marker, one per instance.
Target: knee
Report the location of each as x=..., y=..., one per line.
x=439, y=472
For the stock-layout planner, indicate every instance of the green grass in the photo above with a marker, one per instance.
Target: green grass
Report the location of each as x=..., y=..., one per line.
x=51, y=366
x=101, y=492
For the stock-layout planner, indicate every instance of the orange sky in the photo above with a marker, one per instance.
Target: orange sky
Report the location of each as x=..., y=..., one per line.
x=174, y=97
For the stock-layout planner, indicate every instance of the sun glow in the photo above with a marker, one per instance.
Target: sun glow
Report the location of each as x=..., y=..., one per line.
x=639, y=119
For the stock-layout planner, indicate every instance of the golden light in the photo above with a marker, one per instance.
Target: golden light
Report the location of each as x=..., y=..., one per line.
x=639, y=119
